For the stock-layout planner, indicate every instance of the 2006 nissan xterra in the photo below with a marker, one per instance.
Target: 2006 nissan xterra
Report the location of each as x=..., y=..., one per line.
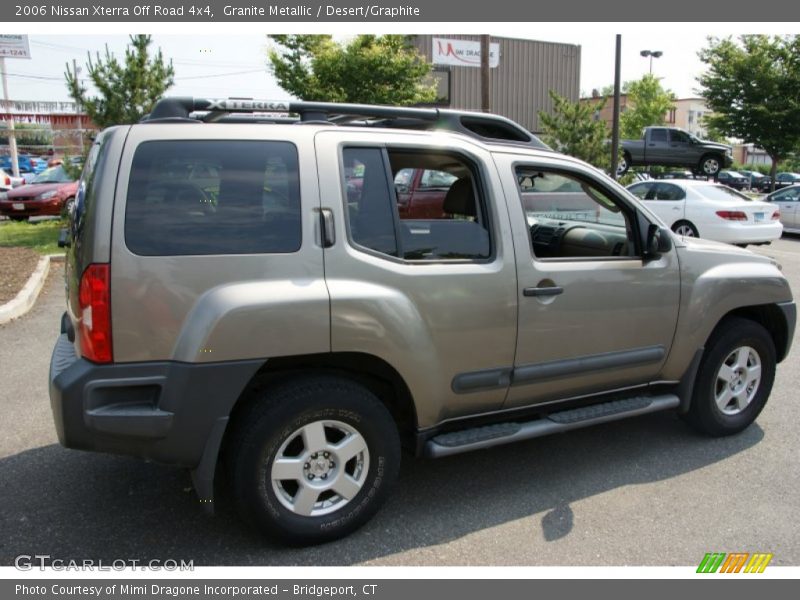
x=244, y=293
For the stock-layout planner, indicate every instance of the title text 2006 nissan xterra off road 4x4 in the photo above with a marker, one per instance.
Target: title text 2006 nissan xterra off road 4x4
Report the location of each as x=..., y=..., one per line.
x=243, y=291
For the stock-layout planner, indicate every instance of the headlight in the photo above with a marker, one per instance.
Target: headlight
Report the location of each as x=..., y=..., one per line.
x=3, y=196
x=47, y=195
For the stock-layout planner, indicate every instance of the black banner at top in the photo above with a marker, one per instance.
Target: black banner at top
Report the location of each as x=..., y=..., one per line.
x=405, y=11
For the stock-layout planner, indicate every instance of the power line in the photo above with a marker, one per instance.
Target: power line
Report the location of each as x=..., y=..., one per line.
x=43, y=77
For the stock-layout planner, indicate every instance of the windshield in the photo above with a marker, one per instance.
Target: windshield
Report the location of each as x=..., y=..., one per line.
x=734, y=174
x=53, y=175
x=720, y=193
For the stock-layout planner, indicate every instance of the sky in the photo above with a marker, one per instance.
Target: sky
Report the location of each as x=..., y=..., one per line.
x=235, y=65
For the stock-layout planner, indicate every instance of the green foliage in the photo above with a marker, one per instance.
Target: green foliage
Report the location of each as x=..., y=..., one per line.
x=572, y=129
x=41, y=236
x=648, y=104
x=753, y=88
x=28, y=134
x=366, y=69
x=127, y=91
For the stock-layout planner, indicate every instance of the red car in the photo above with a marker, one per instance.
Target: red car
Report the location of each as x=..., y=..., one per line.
x=47, y=194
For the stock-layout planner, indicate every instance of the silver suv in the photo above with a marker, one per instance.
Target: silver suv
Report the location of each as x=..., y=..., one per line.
x=246, y=298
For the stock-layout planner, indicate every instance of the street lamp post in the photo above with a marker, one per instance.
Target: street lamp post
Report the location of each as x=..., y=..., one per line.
x=652, y=54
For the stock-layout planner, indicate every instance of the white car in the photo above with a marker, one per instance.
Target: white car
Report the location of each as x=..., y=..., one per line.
x=787, y=201
x=709, y=210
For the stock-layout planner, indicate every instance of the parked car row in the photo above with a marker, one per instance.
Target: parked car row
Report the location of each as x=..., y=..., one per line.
x=49, y=194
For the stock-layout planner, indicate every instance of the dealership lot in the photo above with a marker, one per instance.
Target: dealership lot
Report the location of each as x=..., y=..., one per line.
x=646, y=491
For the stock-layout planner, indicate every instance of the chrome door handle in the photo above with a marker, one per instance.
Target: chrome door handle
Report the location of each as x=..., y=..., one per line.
x=536, y=292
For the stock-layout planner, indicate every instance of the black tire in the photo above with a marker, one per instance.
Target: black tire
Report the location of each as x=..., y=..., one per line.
x=624, y=164
x=686, y=228
x=704, y=413
x=276, y=418
x=66, y=209
x=710, y=165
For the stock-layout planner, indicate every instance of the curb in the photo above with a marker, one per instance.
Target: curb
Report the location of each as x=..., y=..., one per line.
x=27, y=296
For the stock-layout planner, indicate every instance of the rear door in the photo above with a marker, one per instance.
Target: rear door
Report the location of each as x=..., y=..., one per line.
x=666, y=200
x=434, y=297
x=215, y=256
x=657, y=150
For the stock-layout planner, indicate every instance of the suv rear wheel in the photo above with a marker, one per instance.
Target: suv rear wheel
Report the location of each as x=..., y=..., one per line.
x=735, y=378
x=313, y=460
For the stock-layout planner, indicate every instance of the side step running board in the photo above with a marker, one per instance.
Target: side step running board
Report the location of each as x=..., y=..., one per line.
x=457, y=442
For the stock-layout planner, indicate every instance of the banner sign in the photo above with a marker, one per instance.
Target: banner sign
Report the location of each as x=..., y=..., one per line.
x=462, y=53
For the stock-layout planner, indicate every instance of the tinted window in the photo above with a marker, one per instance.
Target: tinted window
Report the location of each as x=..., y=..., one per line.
x=446, y=222
x=668, y=191
x=369, y=200
x=640, y=190
x=570, y=217
x=658, y=135
x=788, y=195
x=213, y=197
x=679, y=137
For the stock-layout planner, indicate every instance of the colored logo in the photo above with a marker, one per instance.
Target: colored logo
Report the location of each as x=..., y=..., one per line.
x=736, y=562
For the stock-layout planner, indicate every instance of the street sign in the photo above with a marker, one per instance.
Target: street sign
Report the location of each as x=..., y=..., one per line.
x=14, y=46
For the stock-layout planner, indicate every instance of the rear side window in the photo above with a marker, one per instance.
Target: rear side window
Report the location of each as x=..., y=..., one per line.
x=213, y=197
x=415, y=205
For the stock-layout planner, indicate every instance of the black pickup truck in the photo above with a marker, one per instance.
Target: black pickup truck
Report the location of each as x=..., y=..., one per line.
x=673, y=147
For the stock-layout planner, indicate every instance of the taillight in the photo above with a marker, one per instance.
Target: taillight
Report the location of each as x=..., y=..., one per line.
x=776, y=215
x=732, y=215
x=7, y=180
x=94, y=325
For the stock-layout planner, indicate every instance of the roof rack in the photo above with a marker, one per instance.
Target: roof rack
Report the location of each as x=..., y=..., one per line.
x=485, y=126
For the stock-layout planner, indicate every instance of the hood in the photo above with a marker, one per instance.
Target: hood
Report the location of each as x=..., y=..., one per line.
x=711, y=247
x=716, y=146
x=34, y=189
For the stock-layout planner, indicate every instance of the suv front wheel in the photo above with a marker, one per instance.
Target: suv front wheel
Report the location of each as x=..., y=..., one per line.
x=735, y=378
x=313, y=460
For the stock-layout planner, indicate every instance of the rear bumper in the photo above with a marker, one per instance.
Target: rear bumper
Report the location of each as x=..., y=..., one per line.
x=162, y=411
x=734, y=232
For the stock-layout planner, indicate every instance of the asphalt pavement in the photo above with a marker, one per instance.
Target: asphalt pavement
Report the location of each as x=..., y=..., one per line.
x=646, y=491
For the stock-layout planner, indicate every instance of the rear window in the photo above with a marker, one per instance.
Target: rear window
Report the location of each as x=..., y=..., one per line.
x=720, y=192
x=213, y=197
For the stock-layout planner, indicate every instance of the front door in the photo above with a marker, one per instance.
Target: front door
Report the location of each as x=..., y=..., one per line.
x=593, y=315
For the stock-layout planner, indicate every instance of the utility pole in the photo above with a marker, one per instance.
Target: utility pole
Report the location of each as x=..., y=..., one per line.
x=12, y=136
x=485, y=91
x=78, y=108
x=615, y=117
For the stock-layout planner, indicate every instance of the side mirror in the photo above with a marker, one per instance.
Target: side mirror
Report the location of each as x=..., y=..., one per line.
x=657, y=242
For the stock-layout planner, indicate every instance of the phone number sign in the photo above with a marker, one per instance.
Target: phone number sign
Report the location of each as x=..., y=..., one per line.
x=14, y=46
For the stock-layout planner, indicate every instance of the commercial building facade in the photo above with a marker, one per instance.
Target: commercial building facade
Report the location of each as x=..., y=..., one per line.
x=525, y=72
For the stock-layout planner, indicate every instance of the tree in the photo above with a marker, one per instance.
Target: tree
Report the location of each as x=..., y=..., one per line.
x=753, y=89
x=649, y=103
x=367, y=69
x=572, y=129
x=127, y=91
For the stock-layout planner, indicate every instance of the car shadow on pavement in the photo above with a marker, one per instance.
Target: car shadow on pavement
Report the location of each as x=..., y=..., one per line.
x=76, y=505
